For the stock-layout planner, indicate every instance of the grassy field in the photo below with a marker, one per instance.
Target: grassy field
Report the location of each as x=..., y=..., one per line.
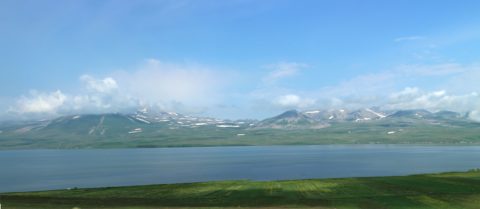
x=435, y=191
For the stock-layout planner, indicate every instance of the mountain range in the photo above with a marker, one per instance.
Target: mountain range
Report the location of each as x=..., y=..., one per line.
x=154, y=128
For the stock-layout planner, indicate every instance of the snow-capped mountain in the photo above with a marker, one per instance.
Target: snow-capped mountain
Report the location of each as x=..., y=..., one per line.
x=153, y=128
x=366, y=114
x=342, y=115
x=291, y=119
x=420, y=113
x=328, y=115
x=151, y=122
x=176, y=120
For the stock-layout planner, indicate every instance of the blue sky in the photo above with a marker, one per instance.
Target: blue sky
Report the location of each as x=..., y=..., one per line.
x=236, y=59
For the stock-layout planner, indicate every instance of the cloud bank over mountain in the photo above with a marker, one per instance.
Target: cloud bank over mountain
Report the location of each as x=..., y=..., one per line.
x=199, y=89
x=183, y=87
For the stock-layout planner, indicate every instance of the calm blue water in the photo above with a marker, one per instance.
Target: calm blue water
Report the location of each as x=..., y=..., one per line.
x=28, y=170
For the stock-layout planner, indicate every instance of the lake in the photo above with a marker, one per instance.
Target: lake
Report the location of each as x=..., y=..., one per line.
x=30, y=170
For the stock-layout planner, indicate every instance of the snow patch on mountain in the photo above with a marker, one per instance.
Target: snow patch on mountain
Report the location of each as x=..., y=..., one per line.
x=228, y=126
x=136, y=130
x=142, y=120
x=90, y=132
x=376, y=113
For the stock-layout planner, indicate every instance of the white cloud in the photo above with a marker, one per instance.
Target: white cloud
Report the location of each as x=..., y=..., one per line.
x=187, y=88
x=444, y=86
x=408, y=93
x=452, y=87
x=100, y=95
x=475, y=115
x=270, y=96
x=168, y=85
x=374, y=87
x=294, y=101
x=192, y=88
x=40, y=102
x=105, y=85
x=443, y=69
x=414, y=98
x=409, y=38
x=282, y=69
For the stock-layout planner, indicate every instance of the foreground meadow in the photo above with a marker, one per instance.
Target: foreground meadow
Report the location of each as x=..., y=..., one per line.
x=447, y=190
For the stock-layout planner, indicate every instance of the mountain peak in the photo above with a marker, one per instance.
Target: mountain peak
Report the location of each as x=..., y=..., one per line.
x=416, y=113
x=291, y=119
x=289, y=114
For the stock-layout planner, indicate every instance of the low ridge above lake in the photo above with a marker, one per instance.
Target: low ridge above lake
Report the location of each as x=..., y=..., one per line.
x=150, y=128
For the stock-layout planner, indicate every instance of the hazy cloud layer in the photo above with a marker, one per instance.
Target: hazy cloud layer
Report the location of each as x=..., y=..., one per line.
x=282, y=70
x=413, y=98
x=409, y=38
x=39, y=102
x=167, y=84
x=294, y=101
x=187, y=88
x=105, y=85
x=193, y=88
x=445, y=86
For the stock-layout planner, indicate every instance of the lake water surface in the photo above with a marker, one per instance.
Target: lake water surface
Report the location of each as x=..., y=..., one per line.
x=29, y=170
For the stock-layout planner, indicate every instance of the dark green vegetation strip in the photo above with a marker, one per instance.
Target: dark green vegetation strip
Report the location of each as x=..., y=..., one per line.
x=435, y=191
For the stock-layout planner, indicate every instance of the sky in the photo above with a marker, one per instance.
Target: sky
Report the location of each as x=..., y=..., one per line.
x=237, y=59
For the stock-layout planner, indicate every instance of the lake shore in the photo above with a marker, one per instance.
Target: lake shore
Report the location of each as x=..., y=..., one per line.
x=40, y=170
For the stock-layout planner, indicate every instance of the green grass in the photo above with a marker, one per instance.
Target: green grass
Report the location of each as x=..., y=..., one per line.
x=430, y=191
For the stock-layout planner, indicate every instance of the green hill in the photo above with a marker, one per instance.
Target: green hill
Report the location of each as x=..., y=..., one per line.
x=290, y=128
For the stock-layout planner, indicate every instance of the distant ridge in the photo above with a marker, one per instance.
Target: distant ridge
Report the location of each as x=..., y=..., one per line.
x=291, y=119
x=156, y=128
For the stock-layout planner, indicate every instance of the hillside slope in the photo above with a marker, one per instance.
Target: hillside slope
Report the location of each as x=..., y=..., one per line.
x=163, y=129
x=447, y=190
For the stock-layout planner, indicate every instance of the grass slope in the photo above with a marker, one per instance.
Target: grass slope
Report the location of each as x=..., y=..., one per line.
x=375, y=132
x=431, y=191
